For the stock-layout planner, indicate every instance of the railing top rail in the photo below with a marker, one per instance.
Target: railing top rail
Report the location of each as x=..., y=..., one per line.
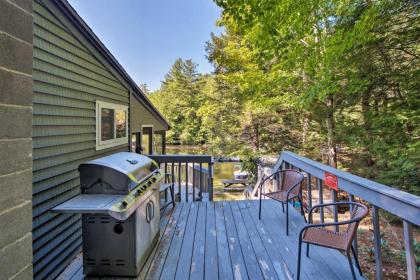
x=400, y=203
x=182, y=158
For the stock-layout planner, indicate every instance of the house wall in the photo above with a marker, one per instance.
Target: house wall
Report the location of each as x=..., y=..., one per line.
x=68, y=79
x=140, y=115
x=15, y=139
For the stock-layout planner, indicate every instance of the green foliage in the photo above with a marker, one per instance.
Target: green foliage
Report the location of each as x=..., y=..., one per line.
x=322, y=78
x=338, y=73
x=179, y=99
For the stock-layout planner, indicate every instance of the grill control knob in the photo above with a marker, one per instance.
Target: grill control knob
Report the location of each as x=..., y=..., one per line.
x=138, y=192
x=149, y=183
x=154, y=179
x=124, y=204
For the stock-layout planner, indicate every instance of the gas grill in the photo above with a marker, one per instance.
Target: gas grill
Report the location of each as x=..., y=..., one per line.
x=119, y=203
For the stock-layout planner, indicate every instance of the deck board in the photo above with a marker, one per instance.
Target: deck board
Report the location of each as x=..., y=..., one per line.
x=211, y=262
x=197, y=261
x=171, y=261
x=223, y=249
x=227, y=240
x=264, y=261
x=235, y=250
x=250, y=257
x=185, y=256
x=156, y=266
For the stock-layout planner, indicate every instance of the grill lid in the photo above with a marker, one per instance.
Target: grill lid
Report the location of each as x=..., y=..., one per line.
x=133, y=165
x=117, y=173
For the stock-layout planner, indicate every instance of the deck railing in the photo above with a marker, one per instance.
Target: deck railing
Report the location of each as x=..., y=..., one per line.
x=401, y=204
x=193, y=174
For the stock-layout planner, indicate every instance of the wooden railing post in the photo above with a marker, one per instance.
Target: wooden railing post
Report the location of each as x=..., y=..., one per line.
x=210, y=180
x=201, y=181
x=409, y=250
x=377, y=243
x=193, y=180
x=186, y=181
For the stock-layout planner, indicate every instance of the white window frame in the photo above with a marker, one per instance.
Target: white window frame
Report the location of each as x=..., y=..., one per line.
x=100, y=145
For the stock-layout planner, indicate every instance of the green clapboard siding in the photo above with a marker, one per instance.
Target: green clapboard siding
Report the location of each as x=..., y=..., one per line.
x=68, y=79
x=140, y=115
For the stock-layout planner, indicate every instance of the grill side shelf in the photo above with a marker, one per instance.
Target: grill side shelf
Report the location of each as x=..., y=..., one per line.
x=117, y=206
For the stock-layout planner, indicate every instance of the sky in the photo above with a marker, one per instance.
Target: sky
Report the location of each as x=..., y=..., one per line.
x=147, y=36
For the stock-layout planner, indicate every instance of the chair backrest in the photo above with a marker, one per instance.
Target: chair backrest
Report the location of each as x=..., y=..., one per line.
x=287, y=179
x=291, y=178
x=358, y=213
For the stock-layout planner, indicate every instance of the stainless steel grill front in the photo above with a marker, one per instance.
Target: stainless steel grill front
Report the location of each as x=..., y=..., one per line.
x=119, y=203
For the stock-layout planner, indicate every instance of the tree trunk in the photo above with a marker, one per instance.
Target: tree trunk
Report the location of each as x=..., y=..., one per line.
x=367, y=126
x=256, y=138
x=332, y=148
x=305, y=129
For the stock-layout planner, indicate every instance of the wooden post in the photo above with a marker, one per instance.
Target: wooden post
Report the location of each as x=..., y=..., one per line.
x=193, y=181
x=409, y=251
x=164, y=142
x=201, y=181
x=179, y=181
x=186, y=180
x=377, y=243
x=210, y=180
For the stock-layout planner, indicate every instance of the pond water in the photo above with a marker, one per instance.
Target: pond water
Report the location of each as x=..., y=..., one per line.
x=222, y=170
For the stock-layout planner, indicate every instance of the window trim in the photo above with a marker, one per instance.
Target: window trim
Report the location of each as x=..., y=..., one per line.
x=100, y=145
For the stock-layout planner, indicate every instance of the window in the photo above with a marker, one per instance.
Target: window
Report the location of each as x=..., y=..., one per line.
x=111, y=125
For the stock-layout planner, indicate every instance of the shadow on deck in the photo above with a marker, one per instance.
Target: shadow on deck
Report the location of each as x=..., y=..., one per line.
x=226, y=240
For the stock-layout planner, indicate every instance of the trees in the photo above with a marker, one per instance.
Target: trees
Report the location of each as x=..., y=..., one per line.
x=334, y=79
x=347, y=70
x=179, y=99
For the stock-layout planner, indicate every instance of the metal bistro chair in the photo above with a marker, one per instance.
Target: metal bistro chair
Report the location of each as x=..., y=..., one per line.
x=290, y=188
x=168, y=184
x=318, y=234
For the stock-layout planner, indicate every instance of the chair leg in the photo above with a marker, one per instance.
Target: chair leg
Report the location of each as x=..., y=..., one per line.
x=282, y=206
x=299, y=258
x=287, y=218
x=307, y=250
x=351, y=266
x=356, y=260
x=259, y=213
x=166, y=195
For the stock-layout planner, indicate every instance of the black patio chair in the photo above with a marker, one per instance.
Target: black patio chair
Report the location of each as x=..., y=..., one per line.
x=290, y=187
x=318, y=234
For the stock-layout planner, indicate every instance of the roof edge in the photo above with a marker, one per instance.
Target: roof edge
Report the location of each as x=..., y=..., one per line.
x=84, y=28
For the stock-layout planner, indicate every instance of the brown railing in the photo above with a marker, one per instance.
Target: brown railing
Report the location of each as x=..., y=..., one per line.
x=192, y=174
x=401, y=204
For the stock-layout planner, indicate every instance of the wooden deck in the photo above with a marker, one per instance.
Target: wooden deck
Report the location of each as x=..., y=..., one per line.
x=226, y=240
